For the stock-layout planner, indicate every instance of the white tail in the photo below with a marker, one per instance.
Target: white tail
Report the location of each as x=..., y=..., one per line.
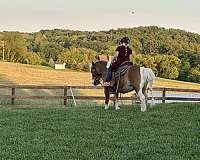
x=149, y=78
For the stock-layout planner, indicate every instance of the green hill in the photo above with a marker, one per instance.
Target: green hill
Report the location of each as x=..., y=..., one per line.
x=171, y=53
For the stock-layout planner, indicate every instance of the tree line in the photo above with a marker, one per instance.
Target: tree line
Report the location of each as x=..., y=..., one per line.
x=171, y=53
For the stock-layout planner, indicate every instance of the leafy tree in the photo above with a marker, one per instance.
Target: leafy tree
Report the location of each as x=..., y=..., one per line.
x=168, y=66
x=195, y=74
x=77, y=58
x=51, y=51
x=51, y=63
x=185, y=69
x=15, y=47
x=32, y=58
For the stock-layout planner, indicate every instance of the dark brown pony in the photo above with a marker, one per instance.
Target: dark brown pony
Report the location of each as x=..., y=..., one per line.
x=136, y=78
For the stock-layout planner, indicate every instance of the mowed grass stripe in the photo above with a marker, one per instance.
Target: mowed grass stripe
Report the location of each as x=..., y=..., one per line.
x=170, y=131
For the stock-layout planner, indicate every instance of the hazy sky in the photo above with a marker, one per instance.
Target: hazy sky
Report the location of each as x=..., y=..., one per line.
x=34, y=15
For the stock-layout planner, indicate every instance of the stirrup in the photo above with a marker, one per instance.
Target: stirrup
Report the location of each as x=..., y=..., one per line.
x=112, y=90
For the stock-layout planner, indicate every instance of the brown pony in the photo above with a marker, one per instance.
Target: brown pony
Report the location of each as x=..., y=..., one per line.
x=135, y=78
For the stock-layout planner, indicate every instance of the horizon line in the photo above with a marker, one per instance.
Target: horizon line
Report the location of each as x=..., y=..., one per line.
x=99, y=30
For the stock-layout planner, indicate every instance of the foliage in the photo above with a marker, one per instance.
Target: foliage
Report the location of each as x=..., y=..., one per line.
x=33, y=58
x=77, y=58
x=165, y=66
x=168, y=66
x=15, y=47
x=195, y=74
x=152, y=47
x=51, y=63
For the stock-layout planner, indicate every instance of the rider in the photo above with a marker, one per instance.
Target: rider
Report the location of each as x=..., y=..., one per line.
x=123, y=54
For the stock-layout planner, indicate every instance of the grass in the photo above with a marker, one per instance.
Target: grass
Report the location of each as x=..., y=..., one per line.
x=165, y=132
x=27, y=74
x=13, y=73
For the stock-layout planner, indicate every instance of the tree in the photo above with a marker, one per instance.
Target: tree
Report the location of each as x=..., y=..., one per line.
x=15, y=47
x=185, y=69
x=51, y=51
x=168, y=66
x=51, y=63
x=195, y=74
x=77, y=58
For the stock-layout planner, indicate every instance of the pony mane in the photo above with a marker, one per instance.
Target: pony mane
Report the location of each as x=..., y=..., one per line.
x=101, y=62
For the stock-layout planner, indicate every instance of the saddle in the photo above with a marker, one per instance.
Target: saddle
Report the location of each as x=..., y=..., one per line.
x=122, y=69
x=117, y=74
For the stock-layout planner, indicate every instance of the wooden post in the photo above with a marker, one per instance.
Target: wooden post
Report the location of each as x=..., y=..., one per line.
x=13, y=94
x=163, y=95
x=65, y=95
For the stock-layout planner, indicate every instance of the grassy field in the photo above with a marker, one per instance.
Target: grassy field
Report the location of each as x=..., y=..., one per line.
x=12, y=73
x=89, y=132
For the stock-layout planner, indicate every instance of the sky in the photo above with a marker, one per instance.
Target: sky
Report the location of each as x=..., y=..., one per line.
x=95, y=15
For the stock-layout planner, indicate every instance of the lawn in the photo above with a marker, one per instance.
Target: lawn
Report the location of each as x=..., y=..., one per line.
x=170, y=131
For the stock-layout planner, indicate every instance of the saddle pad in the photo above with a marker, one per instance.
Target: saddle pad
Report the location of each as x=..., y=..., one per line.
x=120, y=71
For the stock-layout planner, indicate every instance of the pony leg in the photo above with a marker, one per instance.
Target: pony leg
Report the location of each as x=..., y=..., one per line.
x=117, y=102
x=142, y=100
x=151, y=89
x=144, y=91
x=107, y=97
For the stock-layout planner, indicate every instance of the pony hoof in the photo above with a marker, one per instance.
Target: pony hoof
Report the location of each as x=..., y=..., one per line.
x=143, y=110
x=106, y=107
x=152, y=104
x=117, y=108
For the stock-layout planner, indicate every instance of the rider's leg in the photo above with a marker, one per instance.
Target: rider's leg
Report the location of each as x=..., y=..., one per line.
x=108, y=77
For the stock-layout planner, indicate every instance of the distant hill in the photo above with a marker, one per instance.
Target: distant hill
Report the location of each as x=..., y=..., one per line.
x=151, y=45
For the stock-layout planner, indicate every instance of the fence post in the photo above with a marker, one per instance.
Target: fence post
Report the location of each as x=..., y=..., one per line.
x=13, y=94
x=163, y=95
x=65, y=95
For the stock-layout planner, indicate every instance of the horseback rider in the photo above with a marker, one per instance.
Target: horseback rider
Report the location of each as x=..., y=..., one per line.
x=123, y=54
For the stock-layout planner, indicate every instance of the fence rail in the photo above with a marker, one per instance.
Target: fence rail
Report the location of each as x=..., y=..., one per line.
x=65, y=97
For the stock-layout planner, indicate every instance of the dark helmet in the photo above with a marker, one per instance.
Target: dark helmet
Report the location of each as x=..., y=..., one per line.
x=125, y=40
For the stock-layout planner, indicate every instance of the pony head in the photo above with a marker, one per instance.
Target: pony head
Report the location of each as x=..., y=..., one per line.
x=96, y=73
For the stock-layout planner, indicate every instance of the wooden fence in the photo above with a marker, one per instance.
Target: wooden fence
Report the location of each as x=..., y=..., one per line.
x=65, y=97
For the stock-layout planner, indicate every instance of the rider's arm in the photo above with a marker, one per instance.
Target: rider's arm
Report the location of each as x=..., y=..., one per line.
x=130, y=56
x=115, y=56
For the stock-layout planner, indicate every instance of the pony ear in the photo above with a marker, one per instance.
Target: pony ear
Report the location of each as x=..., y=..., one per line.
x=107, y=57
x=90, y=66
x=97, y=57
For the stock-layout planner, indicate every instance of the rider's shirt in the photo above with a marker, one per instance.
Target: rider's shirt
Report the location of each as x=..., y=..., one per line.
x=123, y=55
